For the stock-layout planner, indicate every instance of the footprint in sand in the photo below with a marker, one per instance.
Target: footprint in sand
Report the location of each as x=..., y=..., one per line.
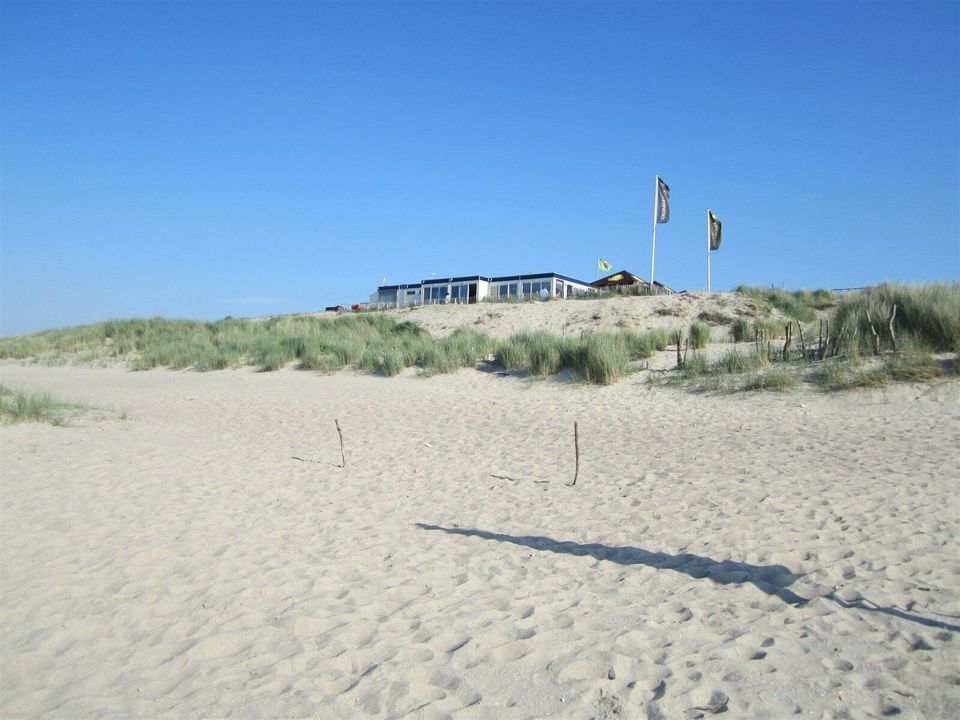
x=841, y=664
x=525, y=633
x=449, y=643
x=511, y=651
x=414, y=655
x=456, y=686
x=525, y=612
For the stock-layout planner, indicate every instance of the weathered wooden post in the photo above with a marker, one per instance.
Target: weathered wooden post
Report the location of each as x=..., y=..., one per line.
x=343, y=458
x=576, y=448
x=893, y=336
x=873, y=331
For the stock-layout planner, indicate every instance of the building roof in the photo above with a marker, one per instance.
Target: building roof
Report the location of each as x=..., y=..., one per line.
x=536, y=276
x=623, y=278
x=502, y=278
x=444, y=281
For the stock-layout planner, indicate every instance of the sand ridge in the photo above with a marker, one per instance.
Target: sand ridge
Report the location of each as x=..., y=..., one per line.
x=572, y=317
x=767, y=555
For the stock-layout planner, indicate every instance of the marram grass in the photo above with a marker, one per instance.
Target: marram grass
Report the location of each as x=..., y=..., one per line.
x=22, y=406
x=927, y=320
x=927, y=316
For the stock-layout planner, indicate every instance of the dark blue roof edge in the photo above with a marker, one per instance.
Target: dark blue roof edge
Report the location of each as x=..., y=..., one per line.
x=533, y=276
x=465, y=278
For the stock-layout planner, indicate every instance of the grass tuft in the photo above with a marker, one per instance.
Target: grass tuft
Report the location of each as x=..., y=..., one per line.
x=798, y=305
x=741, y=330
x=699, y=335
x=928, y=315
x=22, y=406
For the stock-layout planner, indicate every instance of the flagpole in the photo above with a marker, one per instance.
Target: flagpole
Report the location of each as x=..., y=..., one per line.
x=653, y=248
x=708, y=249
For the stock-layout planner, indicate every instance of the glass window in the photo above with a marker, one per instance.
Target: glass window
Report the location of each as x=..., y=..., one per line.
x=533, y=288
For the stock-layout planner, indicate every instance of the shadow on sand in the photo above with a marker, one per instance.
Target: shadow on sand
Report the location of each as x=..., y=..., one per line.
x=771, y=579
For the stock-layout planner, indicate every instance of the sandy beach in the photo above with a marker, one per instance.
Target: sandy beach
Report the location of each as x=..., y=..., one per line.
x=196, y=550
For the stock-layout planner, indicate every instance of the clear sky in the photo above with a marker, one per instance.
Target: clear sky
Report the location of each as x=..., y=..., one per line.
x=204, y=159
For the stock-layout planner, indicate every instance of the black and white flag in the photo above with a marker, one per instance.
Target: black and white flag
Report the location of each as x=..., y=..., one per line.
x=663, y=201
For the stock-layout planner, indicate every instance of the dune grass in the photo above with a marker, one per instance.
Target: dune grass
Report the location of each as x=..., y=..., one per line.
x=370, y=341
x=928, y=316
x=797, y=305
x=927, y=320
x=741, y=330
x=18, y=405
x=600, y=357
x=699, y=335
x=463, y=349
x=910, y=365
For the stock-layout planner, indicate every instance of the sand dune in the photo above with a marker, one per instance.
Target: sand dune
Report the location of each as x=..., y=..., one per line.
x=762, y=555
x=500, y=320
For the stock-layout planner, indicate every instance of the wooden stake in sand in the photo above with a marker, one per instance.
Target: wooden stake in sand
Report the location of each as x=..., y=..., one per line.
x=343, y=458
x=893, y=335
x=576, y=447
x=873, y=331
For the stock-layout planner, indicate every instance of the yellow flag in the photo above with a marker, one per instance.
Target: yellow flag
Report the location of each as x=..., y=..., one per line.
x=603, y=265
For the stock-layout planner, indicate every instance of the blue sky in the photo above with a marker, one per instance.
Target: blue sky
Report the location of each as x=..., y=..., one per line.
x=204, y=159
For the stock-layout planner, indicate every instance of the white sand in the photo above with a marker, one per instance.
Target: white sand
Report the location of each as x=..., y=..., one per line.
x=207, y=557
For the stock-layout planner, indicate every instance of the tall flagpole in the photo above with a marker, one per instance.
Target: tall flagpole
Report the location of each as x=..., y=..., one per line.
x=653, y=249
x=708, y=249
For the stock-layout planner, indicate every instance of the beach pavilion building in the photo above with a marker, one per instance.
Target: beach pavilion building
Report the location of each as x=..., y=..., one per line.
x=624, y=280
x=477, y=288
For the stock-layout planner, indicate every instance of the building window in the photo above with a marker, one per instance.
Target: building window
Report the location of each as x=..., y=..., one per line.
x=532, y=289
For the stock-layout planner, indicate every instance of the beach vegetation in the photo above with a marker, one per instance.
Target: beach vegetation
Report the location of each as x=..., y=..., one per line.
x=18, y=405
x=639, y=346
x=912, y=364
x=741, y=330
x=699, y=335
x=464, y=348
x=797, y=305
x=775, y=378
x=857, y=348
x=769, y=328
x=600, y=357
x=926, y=315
